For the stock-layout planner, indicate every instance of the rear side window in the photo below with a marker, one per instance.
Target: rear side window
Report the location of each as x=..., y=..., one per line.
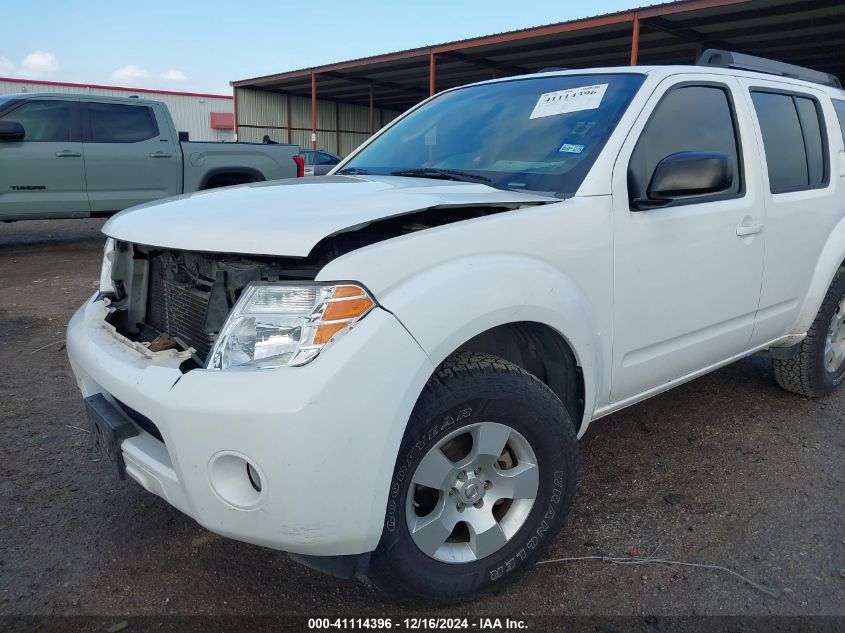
x=44, y=121
x=326, y=159
x=794, y=140
x=839, y=106
x=118, y=123
x=687, y=119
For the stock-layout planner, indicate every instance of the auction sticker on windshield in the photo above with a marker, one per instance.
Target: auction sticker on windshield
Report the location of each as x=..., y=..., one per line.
x=571, y=100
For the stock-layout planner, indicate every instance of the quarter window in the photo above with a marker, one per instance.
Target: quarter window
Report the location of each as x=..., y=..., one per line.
x=794, y=140
x=687, y=119
x=839, y=106
x=117, y=123
x=44, y=121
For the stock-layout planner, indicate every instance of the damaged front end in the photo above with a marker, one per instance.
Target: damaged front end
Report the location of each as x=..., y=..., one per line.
x=168, y=299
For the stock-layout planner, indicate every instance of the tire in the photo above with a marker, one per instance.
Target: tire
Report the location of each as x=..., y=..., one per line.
x=473, y=404
x=813, y=372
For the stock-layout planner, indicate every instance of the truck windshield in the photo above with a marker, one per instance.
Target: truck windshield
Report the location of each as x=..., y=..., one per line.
x=535, y=134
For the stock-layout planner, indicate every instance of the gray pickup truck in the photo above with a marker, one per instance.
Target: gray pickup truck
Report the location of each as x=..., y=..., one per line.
x=65, y=156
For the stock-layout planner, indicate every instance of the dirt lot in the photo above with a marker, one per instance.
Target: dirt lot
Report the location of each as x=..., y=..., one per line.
x=726, y=470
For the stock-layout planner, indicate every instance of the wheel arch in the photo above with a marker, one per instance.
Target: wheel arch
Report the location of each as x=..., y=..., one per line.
x=217, y=172
x=541, y=351
x=831, y=259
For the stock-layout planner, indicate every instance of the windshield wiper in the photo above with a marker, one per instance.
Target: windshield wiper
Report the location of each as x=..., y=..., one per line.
x=442, y=174
x=354, y=171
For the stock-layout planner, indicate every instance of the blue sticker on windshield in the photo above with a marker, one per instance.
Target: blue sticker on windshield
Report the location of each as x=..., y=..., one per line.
x=569, y=148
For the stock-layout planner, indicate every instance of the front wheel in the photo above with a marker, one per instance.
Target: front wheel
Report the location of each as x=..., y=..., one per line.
x=484, y=479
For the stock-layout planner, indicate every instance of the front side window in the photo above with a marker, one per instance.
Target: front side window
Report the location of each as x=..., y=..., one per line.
x=687, y=119
x=794, y=140
x=118, y=123
x=539, y=134
x=44, y=121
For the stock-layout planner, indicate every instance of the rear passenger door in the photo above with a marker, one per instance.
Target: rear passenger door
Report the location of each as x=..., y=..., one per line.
x=686, y=273
x=801, y=209
x=129, y=158
x=44, y=174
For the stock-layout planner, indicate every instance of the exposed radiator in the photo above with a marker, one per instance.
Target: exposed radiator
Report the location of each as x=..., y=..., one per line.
x=178, y=309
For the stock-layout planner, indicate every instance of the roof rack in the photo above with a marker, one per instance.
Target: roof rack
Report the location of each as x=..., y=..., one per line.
x=740, y=61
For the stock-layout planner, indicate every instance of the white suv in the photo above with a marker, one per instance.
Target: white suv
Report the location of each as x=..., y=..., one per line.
x=385, y=371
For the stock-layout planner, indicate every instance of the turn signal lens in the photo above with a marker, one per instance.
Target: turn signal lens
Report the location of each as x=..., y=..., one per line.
x=325, y=332
x=347, y=309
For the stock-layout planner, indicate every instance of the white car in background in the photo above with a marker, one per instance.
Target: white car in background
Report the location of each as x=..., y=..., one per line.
x=386, y=372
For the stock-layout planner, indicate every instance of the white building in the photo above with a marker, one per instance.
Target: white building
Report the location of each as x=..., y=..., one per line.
x=205, y=117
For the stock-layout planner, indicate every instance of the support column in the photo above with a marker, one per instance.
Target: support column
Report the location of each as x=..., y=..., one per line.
x=313, y=110
x=372, y=111
x=289, y=117
x=235, y=103
x=432, y=74
x=635, y=40
x=337, y=126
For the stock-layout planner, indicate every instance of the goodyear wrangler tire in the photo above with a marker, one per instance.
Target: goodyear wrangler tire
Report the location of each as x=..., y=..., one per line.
x=819, y=367
x=483, y=481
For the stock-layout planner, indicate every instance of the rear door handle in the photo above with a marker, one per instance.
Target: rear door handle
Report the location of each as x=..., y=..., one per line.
x=66, y=153
x=750, y=229
x=161, y=155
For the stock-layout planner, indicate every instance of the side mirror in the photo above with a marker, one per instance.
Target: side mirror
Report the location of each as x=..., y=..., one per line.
x=11, y=131
x=687, y=175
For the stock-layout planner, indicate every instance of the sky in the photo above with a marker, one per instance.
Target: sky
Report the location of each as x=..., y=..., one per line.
x=196, y=46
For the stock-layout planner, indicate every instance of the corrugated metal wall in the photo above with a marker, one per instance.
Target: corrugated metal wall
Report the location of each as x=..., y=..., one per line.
x=341, y=127
x=190, y=113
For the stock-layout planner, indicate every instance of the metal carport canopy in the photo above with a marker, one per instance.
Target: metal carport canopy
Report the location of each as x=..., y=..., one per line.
x=805, y=32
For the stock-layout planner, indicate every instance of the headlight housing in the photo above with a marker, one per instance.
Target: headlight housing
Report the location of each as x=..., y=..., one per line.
x=107, y=286
x=278, y=324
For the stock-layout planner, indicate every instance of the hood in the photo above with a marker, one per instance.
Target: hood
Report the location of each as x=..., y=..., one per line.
x=289, y=217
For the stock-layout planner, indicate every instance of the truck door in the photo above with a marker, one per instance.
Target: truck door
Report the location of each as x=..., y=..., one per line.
x=129, y=158
x=802, y=207
x=687, y=272
x=44, y=174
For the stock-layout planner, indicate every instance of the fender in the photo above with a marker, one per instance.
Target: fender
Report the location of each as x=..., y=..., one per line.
x=445, y=306
x=447, y=284
x=831, y=258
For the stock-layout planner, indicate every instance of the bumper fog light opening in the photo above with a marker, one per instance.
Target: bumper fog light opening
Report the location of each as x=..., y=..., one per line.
x=237, y=480
x=254, y=477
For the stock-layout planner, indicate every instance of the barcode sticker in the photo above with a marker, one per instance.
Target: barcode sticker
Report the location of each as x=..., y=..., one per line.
x=572, y=100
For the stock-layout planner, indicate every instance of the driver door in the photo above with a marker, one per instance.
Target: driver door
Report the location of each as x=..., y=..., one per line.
x=687, y=274
x=44, y=174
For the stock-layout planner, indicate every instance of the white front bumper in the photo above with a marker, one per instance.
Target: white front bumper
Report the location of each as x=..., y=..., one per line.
x=324, y=436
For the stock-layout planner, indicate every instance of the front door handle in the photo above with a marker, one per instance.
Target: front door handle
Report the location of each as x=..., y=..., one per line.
x=749, y=229
x=66, y=153
x=161, y=155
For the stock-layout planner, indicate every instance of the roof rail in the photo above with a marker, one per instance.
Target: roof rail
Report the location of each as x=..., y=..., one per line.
x=740, y=61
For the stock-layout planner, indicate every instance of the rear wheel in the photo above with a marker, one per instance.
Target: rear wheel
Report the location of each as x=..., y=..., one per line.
x=484, y=479
x=819, y=367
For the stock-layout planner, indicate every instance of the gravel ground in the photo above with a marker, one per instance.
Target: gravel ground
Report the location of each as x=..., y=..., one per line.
x=726, y=470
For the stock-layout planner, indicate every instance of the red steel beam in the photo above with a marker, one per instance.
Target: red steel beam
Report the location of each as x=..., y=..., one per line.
x=635, y=40
x=313, y=110
x=513, y=36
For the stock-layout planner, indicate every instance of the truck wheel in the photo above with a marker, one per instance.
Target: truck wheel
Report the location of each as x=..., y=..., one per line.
x=484, y=478
x=819, y=368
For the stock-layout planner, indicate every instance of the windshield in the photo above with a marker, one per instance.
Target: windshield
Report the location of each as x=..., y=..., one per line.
x=537, y=134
